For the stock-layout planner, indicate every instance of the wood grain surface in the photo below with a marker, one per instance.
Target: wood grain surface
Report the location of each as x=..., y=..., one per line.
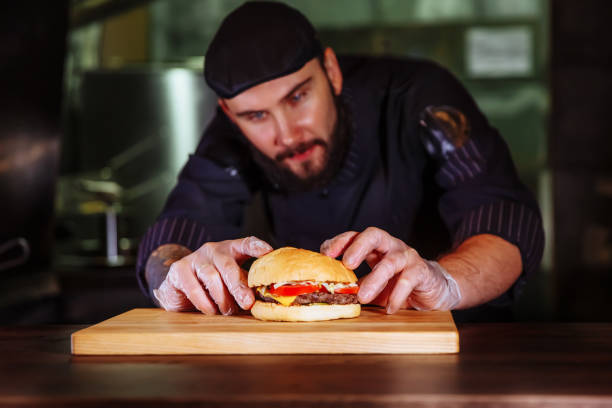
x=157, y=332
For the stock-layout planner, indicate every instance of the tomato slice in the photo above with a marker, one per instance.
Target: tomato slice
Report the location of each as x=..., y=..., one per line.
x=350, y=290
x=293, y=290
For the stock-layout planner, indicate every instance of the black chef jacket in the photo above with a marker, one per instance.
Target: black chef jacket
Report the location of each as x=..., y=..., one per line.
x=388, y=180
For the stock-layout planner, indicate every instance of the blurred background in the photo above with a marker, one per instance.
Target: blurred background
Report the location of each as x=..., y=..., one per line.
x=101, y=101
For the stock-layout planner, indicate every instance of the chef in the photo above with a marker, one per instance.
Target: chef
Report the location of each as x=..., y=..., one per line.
x=386, y=163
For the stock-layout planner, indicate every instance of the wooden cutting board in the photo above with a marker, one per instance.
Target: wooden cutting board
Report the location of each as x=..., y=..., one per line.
x=155, y=331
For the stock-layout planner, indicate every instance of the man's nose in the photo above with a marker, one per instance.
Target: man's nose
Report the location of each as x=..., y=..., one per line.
x=286, y=132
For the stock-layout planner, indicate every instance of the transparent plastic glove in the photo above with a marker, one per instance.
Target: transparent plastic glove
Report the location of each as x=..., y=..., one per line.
x=211, y=279
x=400, y=278
x=439, y=292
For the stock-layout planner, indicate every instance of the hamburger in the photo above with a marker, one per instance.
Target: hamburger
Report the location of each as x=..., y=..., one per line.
x=296, y=285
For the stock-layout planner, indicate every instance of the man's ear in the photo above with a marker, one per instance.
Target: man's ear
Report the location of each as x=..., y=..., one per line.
x=332, y=69
x=225, y=108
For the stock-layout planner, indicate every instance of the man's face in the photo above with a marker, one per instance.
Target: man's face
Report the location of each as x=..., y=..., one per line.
x=291, y=119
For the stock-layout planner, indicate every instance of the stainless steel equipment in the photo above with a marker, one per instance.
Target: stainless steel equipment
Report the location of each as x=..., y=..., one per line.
x=134, y=130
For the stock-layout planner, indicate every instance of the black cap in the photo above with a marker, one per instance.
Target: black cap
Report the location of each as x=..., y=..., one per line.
x=258, y=42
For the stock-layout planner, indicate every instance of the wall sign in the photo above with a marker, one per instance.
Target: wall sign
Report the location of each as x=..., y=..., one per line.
x=499, y=52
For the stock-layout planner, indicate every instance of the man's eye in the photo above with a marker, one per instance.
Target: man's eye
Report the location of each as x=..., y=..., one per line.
x=255, y=116
x=298, y=96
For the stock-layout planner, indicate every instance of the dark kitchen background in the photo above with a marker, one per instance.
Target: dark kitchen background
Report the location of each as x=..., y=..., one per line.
x=101, y=102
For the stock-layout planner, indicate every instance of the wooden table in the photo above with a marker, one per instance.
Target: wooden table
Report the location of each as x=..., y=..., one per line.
x=536, y=365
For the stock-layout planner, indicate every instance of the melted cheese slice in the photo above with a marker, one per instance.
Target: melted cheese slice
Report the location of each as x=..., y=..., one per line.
x=283, y=300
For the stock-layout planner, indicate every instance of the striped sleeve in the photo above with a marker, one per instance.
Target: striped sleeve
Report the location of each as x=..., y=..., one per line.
x=507, y=215
x=461, y=165
x=171, y=230
x=480, y=191
x=512, y=221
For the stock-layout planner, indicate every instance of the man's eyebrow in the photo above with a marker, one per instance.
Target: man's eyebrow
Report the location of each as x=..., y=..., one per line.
x=287, y=96
x=295, y=88
x=247, y=113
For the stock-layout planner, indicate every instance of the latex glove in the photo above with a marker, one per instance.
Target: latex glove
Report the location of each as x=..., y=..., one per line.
x=400, y=278
x=211, y=279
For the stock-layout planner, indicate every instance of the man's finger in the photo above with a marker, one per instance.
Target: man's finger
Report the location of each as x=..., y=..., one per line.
x=235, y=280
x=374, y=283
x=211, y=279
x=172, y=299
x=383, y=297
x=370, y=240
x=404, y=286
x=335, y=246
x=249, y=247
x=373, y=258
x=186, y=281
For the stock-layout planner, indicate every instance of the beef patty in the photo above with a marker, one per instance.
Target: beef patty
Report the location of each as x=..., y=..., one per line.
x=317, y=297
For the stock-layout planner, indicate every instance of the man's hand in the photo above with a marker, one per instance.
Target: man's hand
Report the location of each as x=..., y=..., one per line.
x=211, y=278
x=400, y=278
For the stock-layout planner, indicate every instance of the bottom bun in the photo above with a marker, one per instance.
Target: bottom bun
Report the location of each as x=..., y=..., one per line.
x=307, y=313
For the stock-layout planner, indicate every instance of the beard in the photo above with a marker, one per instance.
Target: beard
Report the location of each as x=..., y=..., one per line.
x=334, y=153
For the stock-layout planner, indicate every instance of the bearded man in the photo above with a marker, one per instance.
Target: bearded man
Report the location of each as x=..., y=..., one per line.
x=385, y=162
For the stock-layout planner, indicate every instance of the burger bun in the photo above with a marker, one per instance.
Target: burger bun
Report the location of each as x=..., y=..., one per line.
x=292, y=264
x=307, y=313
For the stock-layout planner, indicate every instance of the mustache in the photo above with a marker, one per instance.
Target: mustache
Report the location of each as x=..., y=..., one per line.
x=299, y=149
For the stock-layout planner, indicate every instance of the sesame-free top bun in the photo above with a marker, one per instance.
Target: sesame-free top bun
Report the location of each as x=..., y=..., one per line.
x=292, y=264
